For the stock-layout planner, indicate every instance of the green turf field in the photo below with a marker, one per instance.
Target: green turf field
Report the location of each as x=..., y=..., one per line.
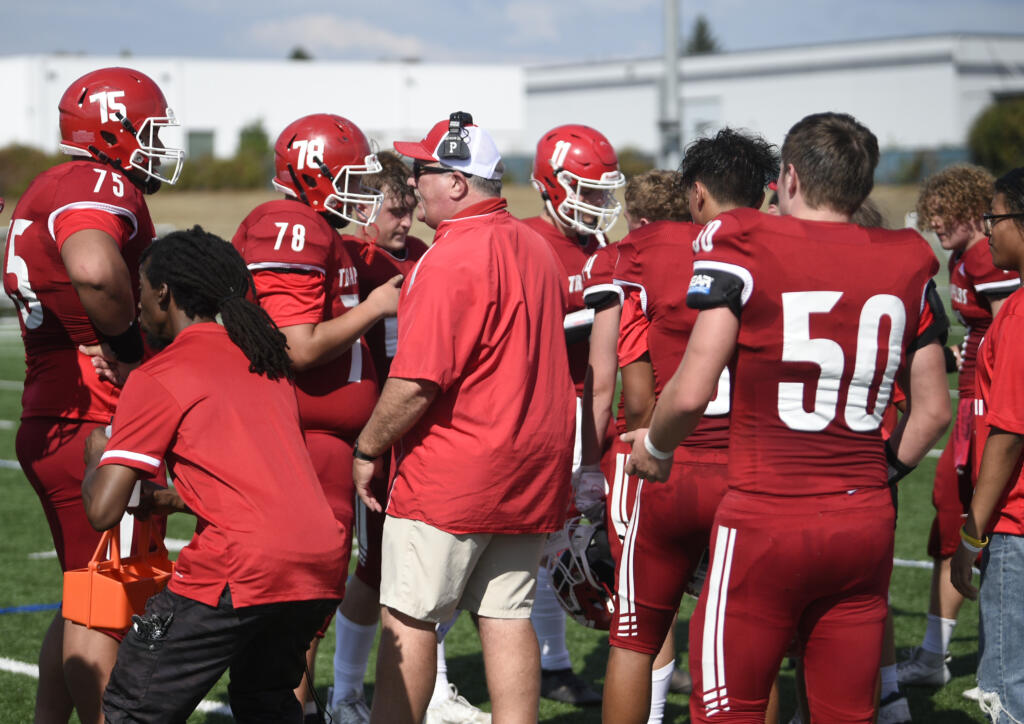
x=28, y=580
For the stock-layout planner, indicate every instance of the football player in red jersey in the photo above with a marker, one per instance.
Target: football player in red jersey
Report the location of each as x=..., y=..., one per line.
x=951, y=204
x=576, y=172
x=71, y=268
x=669, y=526
x=819, y=316
x=309, y=285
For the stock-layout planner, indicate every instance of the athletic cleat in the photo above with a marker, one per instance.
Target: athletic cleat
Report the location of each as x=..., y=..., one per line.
x=894, y=709
x=565, y=686
x=923, y=668
x=455, y=710
x=351, y=710
x=973, y=694
x=681, y=682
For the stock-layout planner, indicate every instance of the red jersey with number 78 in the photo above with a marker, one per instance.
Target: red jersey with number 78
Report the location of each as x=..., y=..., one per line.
x=828, y=313
x=59, y=381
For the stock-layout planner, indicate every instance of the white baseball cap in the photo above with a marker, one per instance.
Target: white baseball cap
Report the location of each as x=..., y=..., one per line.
x=483, y=153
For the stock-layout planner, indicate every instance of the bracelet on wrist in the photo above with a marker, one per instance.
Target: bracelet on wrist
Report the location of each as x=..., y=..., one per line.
x=360, y=455
x=971, y=543
x=655, y=452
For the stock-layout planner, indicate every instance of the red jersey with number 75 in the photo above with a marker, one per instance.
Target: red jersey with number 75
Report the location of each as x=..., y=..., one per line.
x=828, y=313
x=59, y=381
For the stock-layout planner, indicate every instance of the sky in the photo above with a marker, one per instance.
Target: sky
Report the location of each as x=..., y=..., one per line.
x=532, y=32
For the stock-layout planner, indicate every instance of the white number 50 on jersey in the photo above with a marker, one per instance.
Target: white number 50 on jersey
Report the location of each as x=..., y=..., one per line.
x=798, y=346
x=28, y=304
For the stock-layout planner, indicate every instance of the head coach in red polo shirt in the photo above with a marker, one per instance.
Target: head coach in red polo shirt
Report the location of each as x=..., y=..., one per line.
x=479, y=406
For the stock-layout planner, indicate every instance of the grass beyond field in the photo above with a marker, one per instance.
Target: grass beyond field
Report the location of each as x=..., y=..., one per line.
x=29, y=577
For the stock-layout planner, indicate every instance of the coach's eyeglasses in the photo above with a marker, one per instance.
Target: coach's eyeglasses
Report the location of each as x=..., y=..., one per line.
x=418, y=169
x=990, y=220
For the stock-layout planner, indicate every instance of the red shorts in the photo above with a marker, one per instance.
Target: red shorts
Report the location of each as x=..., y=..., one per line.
x=954, y=485
x=667, y=534
x=814, y=567
x=621, y=494
x=332, y=460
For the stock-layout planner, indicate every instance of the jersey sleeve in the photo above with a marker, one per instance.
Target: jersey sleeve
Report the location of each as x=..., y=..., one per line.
x=722, y=267
x=441, y=315
x=291, y=297
x=633, y=326
x=109, y=222
x=1006, y=396
x=599, y=289
x=144, y=426
x=933, y=324
x=988, y=280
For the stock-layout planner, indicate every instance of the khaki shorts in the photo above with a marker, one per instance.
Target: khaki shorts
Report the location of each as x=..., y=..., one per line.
x=427, y=573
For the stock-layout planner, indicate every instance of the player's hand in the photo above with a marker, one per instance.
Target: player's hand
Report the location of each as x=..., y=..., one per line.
x=385, y=297
x=641, y=463
x=363, y=471
x=157, y=500
x=95, y=444
x=106, y=363
x=961, y=573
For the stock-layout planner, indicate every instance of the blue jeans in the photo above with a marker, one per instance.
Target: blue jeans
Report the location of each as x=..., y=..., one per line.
x=1001, y=644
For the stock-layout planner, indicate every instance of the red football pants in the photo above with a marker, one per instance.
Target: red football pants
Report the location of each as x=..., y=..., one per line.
x=812, y=567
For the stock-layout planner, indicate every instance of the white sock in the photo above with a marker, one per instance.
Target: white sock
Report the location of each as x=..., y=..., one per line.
x=548, y=619
x=661, y=679
x=938, y=634
x=890, y=680
x=352, y=644
x=441, y=692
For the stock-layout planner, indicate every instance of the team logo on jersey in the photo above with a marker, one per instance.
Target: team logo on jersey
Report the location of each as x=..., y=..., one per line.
x=700, y=284
x=348, y=276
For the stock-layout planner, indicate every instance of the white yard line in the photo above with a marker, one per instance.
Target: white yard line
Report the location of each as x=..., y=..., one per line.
x=20, y=667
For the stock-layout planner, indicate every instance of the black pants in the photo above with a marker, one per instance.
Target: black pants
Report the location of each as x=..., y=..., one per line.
x=175, y=654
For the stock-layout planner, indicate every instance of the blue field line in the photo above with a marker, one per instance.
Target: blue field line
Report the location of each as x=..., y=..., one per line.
x=31, y=608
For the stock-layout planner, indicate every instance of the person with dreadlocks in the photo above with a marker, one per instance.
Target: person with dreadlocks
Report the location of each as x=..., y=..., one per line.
x=309, y=285
x=266, y=564
x=70, y=268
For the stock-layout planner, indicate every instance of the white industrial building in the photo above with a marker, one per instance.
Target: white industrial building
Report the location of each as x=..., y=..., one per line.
x=915, y=93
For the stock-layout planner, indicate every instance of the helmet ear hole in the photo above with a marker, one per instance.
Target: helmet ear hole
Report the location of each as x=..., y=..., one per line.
x=310, y=180
x=109, y=137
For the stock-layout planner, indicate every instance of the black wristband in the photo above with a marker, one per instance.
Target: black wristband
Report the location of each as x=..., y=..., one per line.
x=360, y=455
x=127, y=346
x=950, y=359
x=897, y=469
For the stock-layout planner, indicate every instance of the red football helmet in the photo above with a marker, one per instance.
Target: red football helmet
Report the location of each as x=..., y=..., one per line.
x=576, y=171
x=583, y=574
x=114, y=116
x=319, y=159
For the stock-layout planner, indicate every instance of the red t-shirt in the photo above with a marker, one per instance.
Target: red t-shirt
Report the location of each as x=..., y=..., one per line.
x=827, y=313
x=60, y=382
x=382, y=338
x=974, y=281
x=233, y=447
x=304, y=276
x=999, y=387
x=572, y=253
x=658, y=263
x=481, y=317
